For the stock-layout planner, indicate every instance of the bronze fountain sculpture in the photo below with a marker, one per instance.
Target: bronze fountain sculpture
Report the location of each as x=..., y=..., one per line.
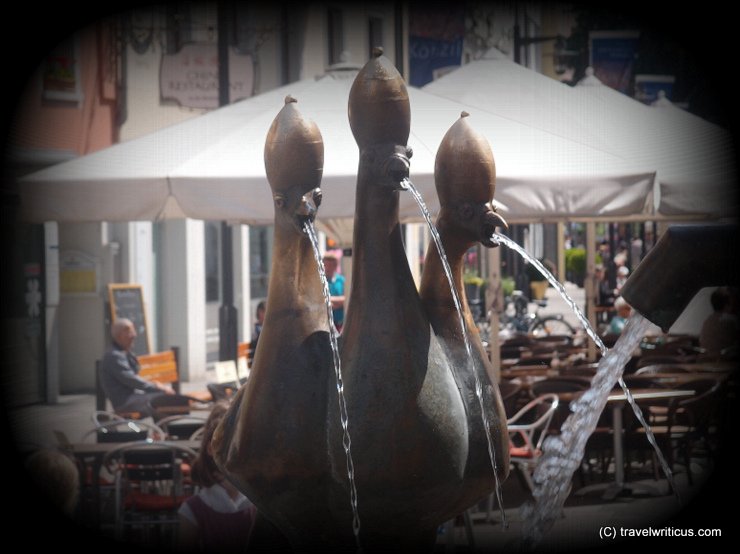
x=420, y=450
x=465, y=176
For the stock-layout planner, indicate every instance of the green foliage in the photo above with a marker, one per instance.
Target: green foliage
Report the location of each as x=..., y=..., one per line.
x=575, y=261
x=507, y=286
x=472, y=278
x=575, y=265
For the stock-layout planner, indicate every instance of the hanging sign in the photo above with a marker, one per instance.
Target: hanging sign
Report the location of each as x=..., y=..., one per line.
x=190, y=77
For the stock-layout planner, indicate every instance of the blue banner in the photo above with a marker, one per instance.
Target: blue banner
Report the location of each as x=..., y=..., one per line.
x=435, y=42
x=427, y=55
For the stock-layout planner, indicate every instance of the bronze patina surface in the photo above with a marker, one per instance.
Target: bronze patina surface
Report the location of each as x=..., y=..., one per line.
x=420, y=453
x=407, y=419
x=272, y=443
x=465, y=176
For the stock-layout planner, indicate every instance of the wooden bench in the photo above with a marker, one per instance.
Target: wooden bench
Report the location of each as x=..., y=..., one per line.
x=242, y=350
x=160, y=367
x=242, y=359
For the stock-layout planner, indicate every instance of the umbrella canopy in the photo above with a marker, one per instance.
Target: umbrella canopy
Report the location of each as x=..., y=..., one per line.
x=541, y=176
x=693, y=158
x=211, y=167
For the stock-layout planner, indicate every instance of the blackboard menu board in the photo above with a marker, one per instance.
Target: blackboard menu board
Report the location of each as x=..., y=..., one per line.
x=127, y=300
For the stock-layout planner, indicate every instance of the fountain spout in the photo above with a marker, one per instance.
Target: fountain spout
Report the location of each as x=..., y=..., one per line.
x=685, y=259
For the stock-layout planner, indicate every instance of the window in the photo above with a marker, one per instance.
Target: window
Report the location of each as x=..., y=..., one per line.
x=335, y=32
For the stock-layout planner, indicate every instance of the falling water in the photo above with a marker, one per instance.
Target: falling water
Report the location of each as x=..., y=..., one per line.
x=562, y=454
x=551, y=495
x=506, y=241
x=408, y=185
x=346, y=441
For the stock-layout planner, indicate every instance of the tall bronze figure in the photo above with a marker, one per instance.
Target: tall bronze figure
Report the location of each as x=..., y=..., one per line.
x=420, y=453
x=272, y=443
x=406, y=416
x=465, y=176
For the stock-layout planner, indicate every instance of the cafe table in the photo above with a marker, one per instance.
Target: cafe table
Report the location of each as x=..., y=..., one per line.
x=617, y=401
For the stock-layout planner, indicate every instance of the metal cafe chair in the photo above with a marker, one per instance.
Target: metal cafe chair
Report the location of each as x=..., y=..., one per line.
x=149, y=490
x=181, y=427
x=527, y=431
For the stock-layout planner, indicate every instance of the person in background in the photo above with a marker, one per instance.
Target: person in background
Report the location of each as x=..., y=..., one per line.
x=260, y=316
x=620, y=258
x=336, y=289
x=720, y=331
x=219, y=518
x=605, y=294
x=624, y=311
x=127, y=391
x=622, y=275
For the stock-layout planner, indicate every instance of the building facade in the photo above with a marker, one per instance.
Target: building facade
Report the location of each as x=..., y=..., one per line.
x=143, y=70
x=138, y=72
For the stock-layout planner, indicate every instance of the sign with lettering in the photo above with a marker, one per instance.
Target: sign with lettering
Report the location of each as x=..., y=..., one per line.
x=190, y=77
x=78, y=272
x=435, y=42
x=127, y=300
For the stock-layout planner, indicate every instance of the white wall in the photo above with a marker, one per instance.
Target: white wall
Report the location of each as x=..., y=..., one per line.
x=80, y=316
x=51, y=265
x=171, y=267
x=355, y=18
x=242, y=289
x=182, y=295
x=146, y=112
x=140, y=262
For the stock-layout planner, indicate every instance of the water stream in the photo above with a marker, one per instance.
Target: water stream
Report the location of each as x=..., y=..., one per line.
x=408, y=185
x=562, y=454
x=553, y=479
x=346, y=440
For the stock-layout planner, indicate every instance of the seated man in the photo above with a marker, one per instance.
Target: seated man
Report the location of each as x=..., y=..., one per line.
x=127, y=391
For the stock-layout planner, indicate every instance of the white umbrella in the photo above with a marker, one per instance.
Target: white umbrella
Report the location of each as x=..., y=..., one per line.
x=498, y=85
x=541, y=176
x=693, y=159
x=211, y=167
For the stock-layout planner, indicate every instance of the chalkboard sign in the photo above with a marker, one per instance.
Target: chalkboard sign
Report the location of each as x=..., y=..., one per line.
x=127, y=300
